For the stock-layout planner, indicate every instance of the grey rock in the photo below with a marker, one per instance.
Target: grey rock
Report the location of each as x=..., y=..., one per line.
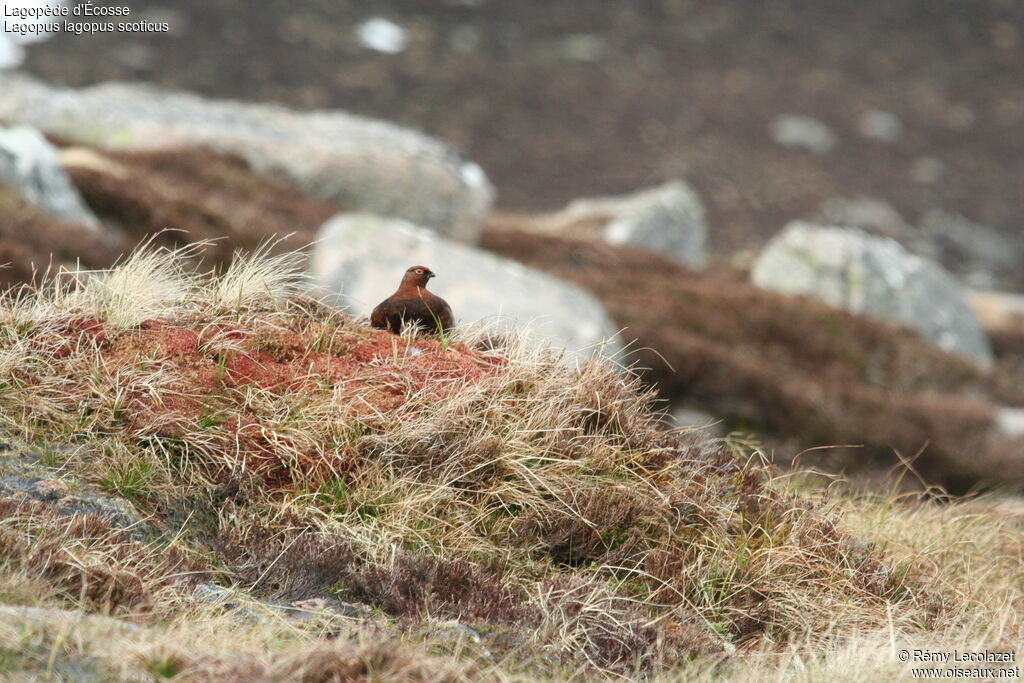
x=326, y=612
x=302, y=610
x=983, y=257
x=242, y=606
x=583, y=47
x=460, y=635
x=23, y=476
x=978, y=254
x=867, y=213
x=30, y=165
x=458, y=631
x=118, y=511
x=355, y=161
x=44, y=490
x=1010, y=422
x=850, y=269
x=382, y=35
x=360, y=258
x=803, y=132
x=879, y=125
x=668, y=219
x=58, y=619
x=209, y=592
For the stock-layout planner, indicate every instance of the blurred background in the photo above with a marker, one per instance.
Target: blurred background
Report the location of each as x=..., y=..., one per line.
x=556, y=99
x=651, y=155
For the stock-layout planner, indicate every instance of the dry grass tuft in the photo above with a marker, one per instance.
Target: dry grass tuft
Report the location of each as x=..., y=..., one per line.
x=152, y=282
x=255, y=278
x=85, y=562
x=381, y=661
x=967, y=550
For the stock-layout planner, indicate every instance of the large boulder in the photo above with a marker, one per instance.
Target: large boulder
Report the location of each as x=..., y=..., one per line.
x=867, y=213
x=30, y=165
x=850, y=269
x=979, y=255
x=360, y=258
x=668, y=219
x=354, y=161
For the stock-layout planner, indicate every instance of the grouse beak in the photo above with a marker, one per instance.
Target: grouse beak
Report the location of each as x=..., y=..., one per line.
x=429, y=275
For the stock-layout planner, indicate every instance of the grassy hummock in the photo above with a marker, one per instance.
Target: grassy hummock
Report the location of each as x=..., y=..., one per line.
x=496, y=512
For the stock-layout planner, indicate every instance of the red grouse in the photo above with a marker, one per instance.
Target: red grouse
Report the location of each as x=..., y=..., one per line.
x=412, y=303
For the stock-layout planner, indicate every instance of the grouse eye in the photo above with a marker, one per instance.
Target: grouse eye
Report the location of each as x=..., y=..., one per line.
x=419, y=271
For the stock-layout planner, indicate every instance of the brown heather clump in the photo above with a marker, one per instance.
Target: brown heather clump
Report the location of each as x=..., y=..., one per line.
x=202, y=194
x=85, y=562
x=793, y=368
x=475, y=477
x=32, y=241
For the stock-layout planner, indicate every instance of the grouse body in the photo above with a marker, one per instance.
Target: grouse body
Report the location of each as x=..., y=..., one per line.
x=412, y=303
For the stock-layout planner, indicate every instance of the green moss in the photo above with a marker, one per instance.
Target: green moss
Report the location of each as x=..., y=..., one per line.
x=14, y=659
x=164, y=667
x=132, y=478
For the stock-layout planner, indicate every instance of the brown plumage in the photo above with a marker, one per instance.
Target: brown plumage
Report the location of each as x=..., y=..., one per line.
x=414, y=304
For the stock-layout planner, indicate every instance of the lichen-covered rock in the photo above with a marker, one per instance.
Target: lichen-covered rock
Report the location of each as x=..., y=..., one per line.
x=30, y=165
x=360, y=258
x=355, y=161
x=850, y=269
x=24, y=476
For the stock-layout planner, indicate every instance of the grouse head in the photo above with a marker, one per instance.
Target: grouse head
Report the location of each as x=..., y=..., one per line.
x=417, y=276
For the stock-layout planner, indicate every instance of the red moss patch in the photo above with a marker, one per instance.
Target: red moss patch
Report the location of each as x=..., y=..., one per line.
x=202, y=377
x=167, y=340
